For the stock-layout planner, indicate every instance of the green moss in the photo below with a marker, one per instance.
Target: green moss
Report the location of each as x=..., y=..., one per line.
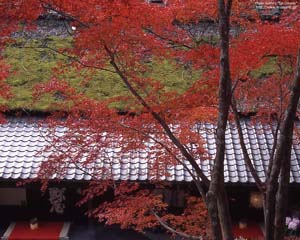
x=269, y=68
x=31, y=63
x=173, y=77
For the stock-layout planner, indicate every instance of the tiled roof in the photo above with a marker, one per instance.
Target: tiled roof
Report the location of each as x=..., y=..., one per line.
x=21, y=139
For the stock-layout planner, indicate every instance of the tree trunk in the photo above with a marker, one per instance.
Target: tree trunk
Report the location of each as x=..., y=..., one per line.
x=212, y=208
x=282, y=197
x=270, y=208
x=284, y=153
x=275, y=211
x=217, y=188
x=224, y=214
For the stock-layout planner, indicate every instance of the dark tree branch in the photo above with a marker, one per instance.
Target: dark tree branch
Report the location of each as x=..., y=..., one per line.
x=158, y=118
x=172, y=230
x=270, y=165
x=172, y=42
x=283, y=154
x=247, y=159
x=196, y=180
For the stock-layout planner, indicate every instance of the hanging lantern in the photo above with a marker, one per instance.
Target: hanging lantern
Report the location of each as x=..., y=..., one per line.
x=256, y=200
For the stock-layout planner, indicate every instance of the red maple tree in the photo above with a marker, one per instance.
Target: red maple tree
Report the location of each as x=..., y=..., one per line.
x=114, y=36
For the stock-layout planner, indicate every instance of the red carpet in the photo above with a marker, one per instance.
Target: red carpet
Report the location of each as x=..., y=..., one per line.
x=252, y=231
x=46, y=231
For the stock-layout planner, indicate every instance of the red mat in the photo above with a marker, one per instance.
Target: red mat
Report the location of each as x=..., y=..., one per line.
x=46, y=231
x=252, y=231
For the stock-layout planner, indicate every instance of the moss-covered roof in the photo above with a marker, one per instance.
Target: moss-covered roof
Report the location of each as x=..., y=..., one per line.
x=31, y=64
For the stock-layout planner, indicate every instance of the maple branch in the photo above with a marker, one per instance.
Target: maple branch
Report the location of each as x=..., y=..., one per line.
x=78, y=61
x=276, y=199
x=72, y=160
x=234, y=86
x=270, y=165
x=247, y=159
x=275, y=133
x=172, y=230
x=196, y=180
x=158, y=118
x=170, y=41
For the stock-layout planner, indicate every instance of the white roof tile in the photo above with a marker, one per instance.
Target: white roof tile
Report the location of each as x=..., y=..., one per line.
x=21, y=140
